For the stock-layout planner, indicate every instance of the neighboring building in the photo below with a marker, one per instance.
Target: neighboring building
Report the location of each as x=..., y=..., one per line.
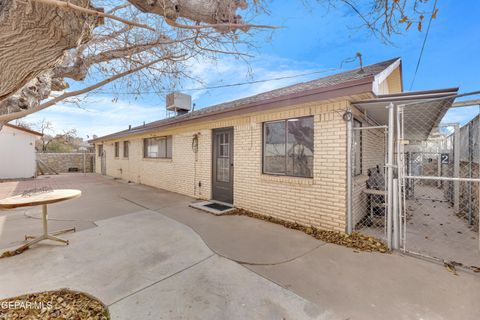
x=17, y=155
x=280, y=153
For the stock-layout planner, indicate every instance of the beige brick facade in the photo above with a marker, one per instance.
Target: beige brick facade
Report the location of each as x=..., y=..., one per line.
x=319, y=201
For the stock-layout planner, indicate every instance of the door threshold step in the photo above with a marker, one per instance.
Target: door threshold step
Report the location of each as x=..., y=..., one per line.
x=216, y=207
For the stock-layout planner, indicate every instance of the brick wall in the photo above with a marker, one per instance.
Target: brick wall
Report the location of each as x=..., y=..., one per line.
x=319, y=201
x=61, y=162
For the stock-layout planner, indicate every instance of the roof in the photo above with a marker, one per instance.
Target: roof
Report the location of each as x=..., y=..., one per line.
x=329, y=87
x=24, y=129
x=423, y=110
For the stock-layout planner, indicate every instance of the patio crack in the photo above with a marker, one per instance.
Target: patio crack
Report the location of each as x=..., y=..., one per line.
x=136, y=203
x=163, y=279
x=246, y=263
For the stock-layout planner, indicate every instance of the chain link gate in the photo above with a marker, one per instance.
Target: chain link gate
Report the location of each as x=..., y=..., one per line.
x=438, y=184
x=369, y=197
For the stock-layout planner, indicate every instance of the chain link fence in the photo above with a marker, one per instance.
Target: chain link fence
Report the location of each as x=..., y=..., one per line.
x=369, y=179
x=426, y=158
x=438, y=167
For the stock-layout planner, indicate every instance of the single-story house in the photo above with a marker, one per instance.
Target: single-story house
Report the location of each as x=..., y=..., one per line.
x=281, y=153
x=18, y=155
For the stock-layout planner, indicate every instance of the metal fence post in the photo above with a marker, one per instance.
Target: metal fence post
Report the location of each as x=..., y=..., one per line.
x=396, y=220
x=400, y=174
x=349, y=175
x=391, y=115
x=456, y=168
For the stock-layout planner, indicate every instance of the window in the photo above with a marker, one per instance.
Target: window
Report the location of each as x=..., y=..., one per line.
x=223, y=157
x=125, y=148
x=357, y=145
x=158, y=147
x=117, y=149
x=288, y=147
x=100, y=150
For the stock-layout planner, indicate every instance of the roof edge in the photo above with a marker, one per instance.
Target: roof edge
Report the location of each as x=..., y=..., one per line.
x=360, y=83
x=36, y=133
x=411, y=95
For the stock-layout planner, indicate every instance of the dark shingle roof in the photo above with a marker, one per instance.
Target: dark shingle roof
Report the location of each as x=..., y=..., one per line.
x=325, y=82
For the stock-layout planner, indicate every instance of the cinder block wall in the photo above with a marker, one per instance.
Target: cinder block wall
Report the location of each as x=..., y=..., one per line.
x=319, y=201
x=61, y=162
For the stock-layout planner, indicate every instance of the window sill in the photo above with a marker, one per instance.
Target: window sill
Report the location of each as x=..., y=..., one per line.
x=286, y=179
x=157, y=159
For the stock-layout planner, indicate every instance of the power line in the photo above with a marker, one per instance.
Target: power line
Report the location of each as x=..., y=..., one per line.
x=423, y=45
x=224, y=85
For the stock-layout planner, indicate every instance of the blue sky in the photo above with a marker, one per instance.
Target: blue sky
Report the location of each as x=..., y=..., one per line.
x=313, y=39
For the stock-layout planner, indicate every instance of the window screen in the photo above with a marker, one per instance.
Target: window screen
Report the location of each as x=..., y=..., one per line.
x=125, y=148
x=288, y=147
x=157, y=147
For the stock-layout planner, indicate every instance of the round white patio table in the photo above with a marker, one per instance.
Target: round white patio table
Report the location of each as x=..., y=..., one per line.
x=42, y=198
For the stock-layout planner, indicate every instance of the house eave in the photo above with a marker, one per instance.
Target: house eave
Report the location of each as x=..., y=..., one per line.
x=346, y=89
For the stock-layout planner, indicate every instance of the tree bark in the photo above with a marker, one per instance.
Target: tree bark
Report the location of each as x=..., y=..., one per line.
x=205, y=11
x=74, y=67
x=34, y=37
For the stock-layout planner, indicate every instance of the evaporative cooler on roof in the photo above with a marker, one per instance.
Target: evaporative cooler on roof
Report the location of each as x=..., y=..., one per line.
x=179, y=102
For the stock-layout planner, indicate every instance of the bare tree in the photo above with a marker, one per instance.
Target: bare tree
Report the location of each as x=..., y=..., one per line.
x=144, y=43
x=49, y=44
x=385, y=18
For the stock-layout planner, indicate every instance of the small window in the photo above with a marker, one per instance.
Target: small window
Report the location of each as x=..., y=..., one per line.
x=100, y=150
x=125, y=148
x=357, y=147
x=158, y=147
x=117, y=149
x=288, y=147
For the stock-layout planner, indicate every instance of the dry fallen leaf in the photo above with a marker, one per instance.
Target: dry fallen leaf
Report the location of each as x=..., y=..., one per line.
x=59, y=304
x=354, y=240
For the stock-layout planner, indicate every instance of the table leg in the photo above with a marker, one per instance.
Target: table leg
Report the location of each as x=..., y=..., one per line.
x=45, y=235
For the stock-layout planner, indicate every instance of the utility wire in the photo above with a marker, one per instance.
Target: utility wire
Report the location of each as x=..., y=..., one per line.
x=224, y=85
x=423, y=45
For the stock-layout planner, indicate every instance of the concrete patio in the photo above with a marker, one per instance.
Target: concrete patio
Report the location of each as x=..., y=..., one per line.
x=147, y=255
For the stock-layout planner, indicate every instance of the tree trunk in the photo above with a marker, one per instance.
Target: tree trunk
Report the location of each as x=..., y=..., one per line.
x=33, y=38
x=206, y=11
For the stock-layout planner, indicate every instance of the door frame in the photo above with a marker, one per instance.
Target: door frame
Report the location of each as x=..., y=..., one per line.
x=214, y=162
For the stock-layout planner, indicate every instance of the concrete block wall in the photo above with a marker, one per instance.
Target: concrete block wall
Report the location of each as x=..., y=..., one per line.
x=319, y=201
x=61, y=162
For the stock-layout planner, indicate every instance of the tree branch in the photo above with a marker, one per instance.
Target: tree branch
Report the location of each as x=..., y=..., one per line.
x=67, y=5
x=9, y=117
